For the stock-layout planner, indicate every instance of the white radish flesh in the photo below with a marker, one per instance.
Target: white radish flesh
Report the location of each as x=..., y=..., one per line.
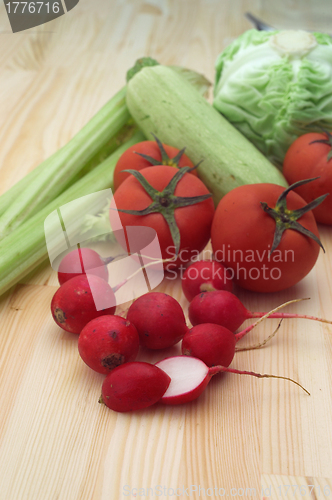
x=190, y=376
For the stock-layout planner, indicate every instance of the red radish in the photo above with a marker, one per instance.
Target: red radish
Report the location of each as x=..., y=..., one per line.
x=215, y=344
x=74, y=303
x=134, y=386
x=80, y=260
x=190, y=376
x=224, y=308
x=159, y=320
x=205, y=276
x=107, y=342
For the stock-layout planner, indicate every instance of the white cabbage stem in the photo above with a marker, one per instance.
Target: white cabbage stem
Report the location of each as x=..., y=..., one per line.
x=293, y=43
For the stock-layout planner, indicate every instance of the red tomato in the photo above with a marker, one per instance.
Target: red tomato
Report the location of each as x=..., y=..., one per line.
x=194, y=221
x=242, y=235
x=131, y=160
x=305, y=161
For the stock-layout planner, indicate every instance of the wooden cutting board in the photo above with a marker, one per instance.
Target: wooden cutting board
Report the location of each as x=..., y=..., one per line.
x=243, y=436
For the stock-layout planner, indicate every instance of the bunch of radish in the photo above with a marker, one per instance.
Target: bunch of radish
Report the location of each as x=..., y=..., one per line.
x=109, y=344
x=207, y=349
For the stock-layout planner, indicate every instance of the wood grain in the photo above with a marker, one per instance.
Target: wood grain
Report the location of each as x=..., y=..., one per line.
x=243, y=435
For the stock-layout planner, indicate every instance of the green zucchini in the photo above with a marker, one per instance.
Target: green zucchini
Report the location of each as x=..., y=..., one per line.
x=163, y=103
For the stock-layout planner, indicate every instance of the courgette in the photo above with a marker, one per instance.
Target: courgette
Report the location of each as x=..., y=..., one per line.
x=163, y=103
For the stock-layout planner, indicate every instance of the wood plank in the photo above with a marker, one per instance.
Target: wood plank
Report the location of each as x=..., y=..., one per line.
x=243, y=435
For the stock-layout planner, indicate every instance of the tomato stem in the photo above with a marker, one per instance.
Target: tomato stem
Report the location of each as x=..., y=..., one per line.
x=287, y=219
x=165, y=202
x=165, y=159
x=327, y=141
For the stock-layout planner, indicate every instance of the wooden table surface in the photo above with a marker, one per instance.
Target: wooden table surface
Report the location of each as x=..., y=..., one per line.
x=244, y=436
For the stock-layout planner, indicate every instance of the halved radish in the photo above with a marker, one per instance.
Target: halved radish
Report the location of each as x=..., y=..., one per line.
x=190, y=376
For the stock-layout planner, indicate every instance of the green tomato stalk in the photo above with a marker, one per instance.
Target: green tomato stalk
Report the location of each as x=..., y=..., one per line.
x=287, y=219
x=166, y=202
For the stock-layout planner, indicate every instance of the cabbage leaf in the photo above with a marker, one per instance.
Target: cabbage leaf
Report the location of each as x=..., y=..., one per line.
x=275, y=86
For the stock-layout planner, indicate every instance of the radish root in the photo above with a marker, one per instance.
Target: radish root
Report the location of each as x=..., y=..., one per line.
x=218, y=369
x=261, y=344
x=246, y=330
